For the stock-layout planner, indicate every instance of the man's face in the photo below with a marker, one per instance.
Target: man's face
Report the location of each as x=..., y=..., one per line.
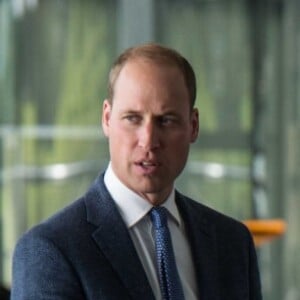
x=150, y=127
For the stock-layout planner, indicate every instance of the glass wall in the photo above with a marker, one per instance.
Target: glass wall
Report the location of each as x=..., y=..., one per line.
x=54, y=61
x=51, y=143
x=211, y=40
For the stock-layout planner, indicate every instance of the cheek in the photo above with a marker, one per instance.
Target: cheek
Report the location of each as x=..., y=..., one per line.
x=121, y=140
x=179, y=138
x=179, y=147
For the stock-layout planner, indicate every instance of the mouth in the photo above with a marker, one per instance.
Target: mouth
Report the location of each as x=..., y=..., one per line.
x=148, y=166
x=148, y=163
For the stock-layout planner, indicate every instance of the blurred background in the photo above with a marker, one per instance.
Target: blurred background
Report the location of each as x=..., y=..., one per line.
x=54, y=61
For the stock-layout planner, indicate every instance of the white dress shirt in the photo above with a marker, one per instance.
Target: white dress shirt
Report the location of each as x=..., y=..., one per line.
x=134, y=210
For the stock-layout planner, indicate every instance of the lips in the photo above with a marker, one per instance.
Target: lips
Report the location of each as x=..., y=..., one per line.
x=148, y=163
x=148, y=166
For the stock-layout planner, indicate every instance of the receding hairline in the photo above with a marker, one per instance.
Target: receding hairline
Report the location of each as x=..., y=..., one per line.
x=159, y=55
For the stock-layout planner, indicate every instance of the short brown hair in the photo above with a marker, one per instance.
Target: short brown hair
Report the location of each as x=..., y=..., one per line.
x=158, y=54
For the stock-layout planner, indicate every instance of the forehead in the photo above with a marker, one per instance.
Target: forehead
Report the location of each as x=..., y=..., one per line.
x=147, y=84
x=142, y=71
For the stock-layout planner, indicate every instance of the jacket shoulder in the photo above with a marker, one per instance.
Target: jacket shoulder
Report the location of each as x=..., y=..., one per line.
x=208, y=217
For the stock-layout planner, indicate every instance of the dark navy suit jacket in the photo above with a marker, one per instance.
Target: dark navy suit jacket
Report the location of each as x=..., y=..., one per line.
x=85, y=252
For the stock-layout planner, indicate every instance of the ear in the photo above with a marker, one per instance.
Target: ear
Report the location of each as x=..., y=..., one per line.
x=106, y=111
x=194, y=125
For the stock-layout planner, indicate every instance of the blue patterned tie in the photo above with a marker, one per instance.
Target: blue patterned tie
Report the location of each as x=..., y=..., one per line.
x=169, y=281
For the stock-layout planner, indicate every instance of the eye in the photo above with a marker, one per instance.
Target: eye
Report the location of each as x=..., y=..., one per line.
x=133, y=119
x=167, y=120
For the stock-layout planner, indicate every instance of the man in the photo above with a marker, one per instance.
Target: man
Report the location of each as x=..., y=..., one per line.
x=103, y=245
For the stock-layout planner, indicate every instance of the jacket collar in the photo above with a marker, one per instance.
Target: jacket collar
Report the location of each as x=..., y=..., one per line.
x=115, y=242
x=201, y=235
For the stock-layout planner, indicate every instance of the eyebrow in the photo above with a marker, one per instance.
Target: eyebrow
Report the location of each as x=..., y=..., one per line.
x=167, y=112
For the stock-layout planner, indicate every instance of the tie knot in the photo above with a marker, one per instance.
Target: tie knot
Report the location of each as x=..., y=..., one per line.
x=159, y=216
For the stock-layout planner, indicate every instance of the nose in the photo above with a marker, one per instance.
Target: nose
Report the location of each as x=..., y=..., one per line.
x=149, y=138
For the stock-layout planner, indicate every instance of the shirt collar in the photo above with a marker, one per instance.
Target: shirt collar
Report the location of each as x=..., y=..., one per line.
x=131, y=206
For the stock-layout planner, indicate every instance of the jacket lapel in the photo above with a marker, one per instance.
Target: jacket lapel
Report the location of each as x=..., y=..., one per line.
x=201, y=235
x=113, y=239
